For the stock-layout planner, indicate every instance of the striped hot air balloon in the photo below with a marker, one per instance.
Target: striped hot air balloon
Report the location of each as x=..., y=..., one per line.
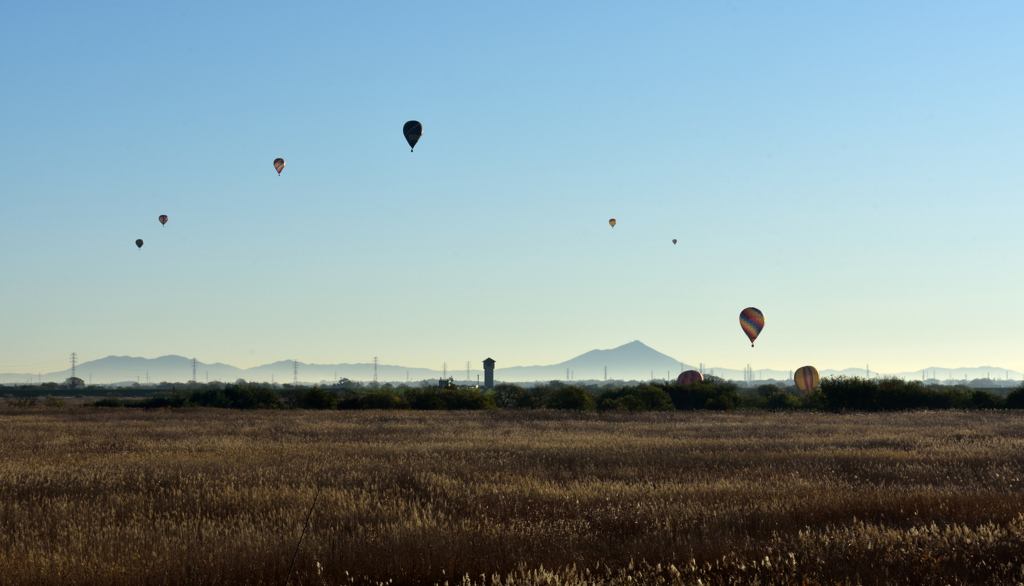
x=806, y=378
x=689, y=376
x=163, y=220
x=752, y=322
x=279, y=165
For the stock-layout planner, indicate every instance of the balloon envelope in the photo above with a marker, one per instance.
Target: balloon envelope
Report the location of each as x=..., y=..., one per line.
x=412, y=130
x=807, y=378
x=752, y=322
x=673, y=241
x=612, y=222
x=690, y=376
x=163, y=219
x=138, y=243
x=279, y=165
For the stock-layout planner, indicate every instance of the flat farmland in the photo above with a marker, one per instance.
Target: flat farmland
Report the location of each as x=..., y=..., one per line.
x=207, y=496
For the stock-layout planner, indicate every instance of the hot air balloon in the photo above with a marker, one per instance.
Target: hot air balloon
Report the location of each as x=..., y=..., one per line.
x=690, y=376
x=139, y=243
x=412, y=130
x=807, y=378
x=752, y=321
x=163, y=219
x=612, y=222
x=279, y=165
x=673, y=241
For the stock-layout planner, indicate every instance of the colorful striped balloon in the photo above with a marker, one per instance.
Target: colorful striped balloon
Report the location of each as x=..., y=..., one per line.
x=807, y=378
x=163, y=220
x=690, y=376
x=279, y=165
x=752, y=321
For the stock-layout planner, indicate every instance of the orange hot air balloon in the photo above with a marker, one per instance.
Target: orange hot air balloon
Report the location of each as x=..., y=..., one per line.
x=612, y=222
x=163, y=220
x=689, y=377
x=806, y=378
x=279, y=165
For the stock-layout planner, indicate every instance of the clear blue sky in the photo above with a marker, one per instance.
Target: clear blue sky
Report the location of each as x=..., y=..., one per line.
x=855, y=171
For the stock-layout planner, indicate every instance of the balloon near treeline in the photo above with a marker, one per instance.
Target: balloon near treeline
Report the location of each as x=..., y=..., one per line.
x=752, y=322
x=163, y=220
x=689, y=377
x=279, y=166
x=139, y=243
x=806, y=378
x=612, y=222
x=412, y=130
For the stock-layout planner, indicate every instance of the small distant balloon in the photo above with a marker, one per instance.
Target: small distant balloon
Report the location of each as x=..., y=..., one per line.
x=279, y=165
x=673, y=241
x=412, y=130
x=752, y=322
x=612, y=222
x=163, y=220
x=689, y=377
x=139, y=243
x=807, y=379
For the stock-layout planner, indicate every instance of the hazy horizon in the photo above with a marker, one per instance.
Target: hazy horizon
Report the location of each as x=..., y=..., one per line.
x=850, y=170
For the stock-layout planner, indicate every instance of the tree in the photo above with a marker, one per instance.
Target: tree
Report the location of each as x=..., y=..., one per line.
x=571, y=398
x=73, y=382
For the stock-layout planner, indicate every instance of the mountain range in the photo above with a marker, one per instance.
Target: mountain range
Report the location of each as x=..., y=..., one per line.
x=632, y=361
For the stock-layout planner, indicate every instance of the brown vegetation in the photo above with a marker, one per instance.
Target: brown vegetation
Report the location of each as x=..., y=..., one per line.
x=219, y=497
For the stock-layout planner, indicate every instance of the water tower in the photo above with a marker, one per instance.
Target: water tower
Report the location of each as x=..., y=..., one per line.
x=489, y=373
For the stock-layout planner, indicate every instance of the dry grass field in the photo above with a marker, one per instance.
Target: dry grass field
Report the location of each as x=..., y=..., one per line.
x=94, y=496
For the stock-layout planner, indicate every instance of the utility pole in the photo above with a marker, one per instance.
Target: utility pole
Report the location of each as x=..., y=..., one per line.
x=467, y=372
x=606, y=374
x=445, y=367
x=193, y=371
x=295, y=372
x=375, y=372
x=74, y=360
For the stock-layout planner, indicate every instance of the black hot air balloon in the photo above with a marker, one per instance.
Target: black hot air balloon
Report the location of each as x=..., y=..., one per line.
x=412, y=130
x=139, y=243
x=163, y=220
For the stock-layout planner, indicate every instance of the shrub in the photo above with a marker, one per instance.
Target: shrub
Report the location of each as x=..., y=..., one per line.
x=571, y=398
x=780, y=400
x=383, y=399
x=55, y=402
x=317, y=398
x=1015, y=398
x=710, y=393
x=108, y=402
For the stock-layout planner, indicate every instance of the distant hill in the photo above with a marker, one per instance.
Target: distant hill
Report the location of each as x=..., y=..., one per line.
x=632, y=361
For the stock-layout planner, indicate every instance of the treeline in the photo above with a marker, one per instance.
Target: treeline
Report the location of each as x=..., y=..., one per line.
x=836, y=394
